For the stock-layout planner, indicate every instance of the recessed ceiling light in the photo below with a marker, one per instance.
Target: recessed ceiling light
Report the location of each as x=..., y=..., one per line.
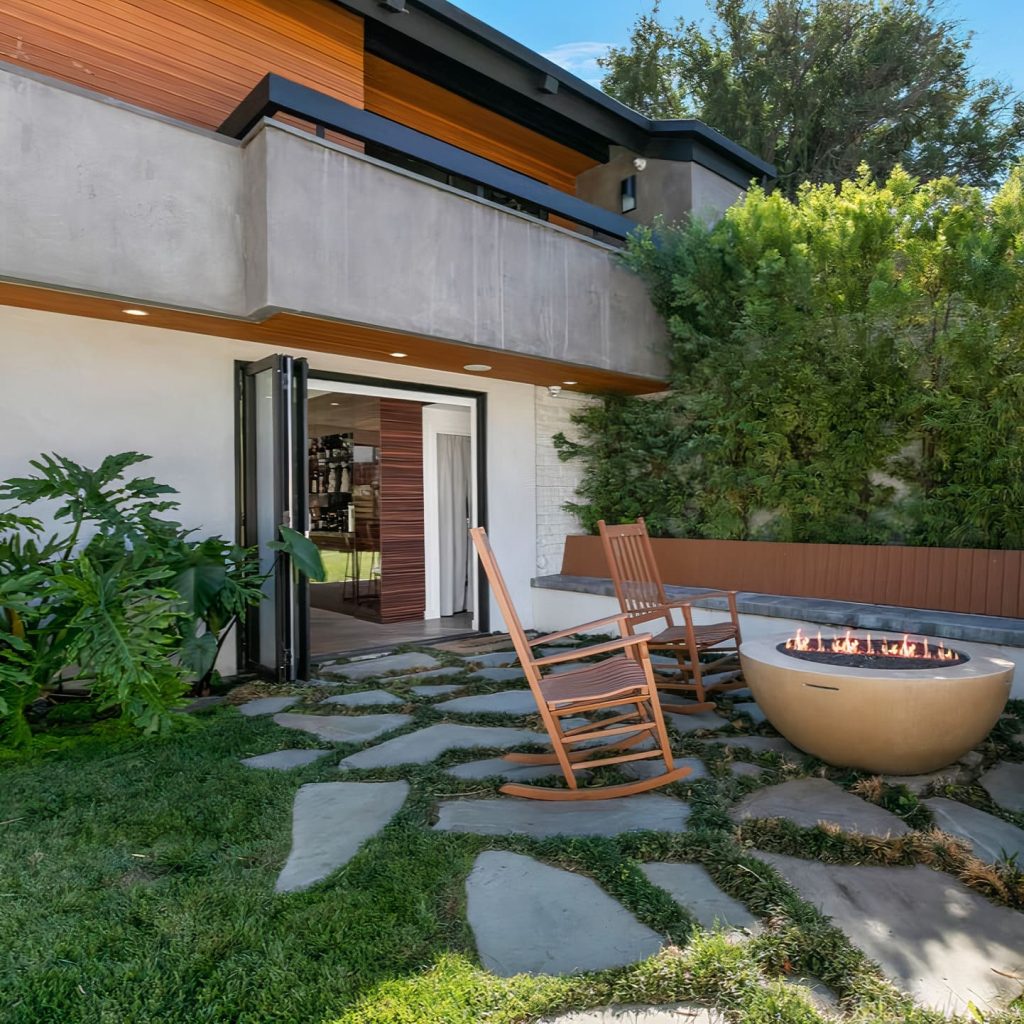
x=334, y=403
x=569, y=383
x=398, y=355
x=135, y=312
x=477, y=367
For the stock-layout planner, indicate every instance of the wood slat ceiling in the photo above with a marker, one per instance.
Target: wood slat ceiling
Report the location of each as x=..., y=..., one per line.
x=290, y=330
x=193, y=60
x=402, y=96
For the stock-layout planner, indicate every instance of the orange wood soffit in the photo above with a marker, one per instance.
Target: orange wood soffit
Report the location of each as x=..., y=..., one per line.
x=291, y=330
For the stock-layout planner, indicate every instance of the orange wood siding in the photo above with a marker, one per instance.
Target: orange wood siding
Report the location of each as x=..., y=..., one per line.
x=975, y=581
x=403, y=579
x=404, y=97
x=193, y=60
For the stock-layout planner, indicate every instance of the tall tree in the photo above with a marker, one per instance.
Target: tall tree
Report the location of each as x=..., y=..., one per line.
x=821, y=86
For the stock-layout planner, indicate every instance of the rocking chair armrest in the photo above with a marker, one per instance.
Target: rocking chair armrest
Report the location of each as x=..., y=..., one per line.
x=577, y=653
x=584, y=628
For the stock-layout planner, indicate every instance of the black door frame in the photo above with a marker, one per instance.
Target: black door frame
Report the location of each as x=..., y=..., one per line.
x=245, y=488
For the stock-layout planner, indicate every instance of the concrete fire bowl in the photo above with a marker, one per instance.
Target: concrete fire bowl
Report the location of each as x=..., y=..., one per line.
x=891, y=721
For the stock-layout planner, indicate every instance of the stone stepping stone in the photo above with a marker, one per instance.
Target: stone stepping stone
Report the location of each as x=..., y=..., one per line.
x=425, y=745
x=437, y=690
x=437, y=673
x=503, y=816
x=707, y=720
x=955, y=774
x=388, y=664
x=330, y=822
x=742, y=770
x=529, y=917
x=805, y=802
x=655, y=766
x=364, y=698
x=933, y=937
x=695, y=891
x=821, y=997
x=282, y=760
x=672, y=1013
x=990, y=838
x=343, y=728
x=499, y=659
x=1005, y=784
x=759, y=744
x=744, y=693
x=266, y=706
x=201, y=704
x=507, y=702
x=498, y=767
x=501, y=675
x=752, y=711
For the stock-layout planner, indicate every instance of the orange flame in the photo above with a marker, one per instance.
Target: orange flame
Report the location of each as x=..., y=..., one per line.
x=885, y=647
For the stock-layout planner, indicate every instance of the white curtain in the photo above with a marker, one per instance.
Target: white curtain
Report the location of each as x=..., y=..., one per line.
x=453, y=485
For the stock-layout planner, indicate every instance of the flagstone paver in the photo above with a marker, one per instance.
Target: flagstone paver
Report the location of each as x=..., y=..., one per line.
x=656, y=766
x=508, y=770
x=266, y=706
x=1005, y=784
x=694, y=890
x=386, y=665
x=751, y=710
x=991, y=838
x=822, y=998
x=675, y=1013
x=500, y=675
x=364, y=698
x=506, y=702
x=707, y=720
x=740, y=769
x=955, y=774
x=343, y=728
x=437, y=673
x=932, y=936
x=424, y=745
x=282, y=760
x=330, y=822
x=498, y=659
x=201, y=704
x=436, y=690
x=502, y=816
x=805, y=802
x=529, y=917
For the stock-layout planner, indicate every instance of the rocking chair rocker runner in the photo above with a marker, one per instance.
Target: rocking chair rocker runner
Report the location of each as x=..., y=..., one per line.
x=622, y=684
x=643, y=600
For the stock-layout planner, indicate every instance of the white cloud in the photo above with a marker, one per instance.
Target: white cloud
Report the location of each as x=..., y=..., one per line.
x=580, y=59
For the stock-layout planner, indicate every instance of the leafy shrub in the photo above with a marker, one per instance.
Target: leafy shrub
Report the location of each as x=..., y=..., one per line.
x=846, y=367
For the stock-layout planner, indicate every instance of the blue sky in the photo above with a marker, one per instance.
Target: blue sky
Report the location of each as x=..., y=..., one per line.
x=573, y=32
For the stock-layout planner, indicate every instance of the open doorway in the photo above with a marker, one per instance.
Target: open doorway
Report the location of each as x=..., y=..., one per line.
x=393, y=488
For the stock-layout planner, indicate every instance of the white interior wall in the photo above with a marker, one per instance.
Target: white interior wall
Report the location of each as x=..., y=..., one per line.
x=86, y=388
x=560, y=609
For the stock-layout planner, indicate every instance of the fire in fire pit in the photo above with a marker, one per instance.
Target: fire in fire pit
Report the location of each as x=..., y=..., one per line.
x=868, y=652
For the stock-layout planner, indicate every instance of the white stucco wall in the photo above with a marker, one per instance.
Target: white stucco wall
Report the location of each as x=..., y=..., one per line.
x=556, y=480
x=86, y=388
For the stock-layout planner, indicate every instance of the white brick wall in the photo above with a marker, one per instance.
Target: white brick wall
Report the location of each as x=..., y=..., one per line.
x=556, y=480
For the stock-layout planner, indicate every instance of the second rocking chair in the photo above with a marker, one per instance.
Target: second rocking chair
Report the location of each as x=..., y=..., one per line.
x=622, y=687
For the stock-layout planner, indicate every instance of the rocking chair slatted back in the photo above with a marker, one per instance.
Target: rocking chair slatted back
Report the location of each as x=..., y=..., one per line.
x=634, y=573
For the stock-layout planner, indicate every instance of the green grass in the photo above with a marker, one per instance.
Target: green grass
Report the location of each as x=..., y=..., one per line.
x=136, y=885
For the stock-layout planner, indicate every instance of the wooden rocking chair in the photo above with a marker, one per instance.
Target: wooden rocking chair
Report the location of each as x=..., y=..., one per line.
x=615, y=684
x=643, y=599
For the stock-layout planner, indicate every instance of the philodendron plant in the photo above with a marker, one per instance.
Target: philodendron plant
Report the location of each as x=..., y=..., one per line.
x=118, y=597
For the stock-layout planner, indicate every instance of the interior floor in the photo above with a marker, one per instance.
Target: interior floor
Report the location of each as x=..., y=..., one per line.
x=341, y=634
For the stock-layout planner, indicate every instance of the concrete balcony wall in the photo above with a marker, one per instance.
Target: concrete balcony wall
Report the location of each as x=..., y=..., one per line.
x=99, y=197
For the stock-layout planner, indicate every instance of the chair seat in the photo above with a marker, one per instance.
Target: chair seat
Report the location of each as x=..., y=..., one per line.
x=612, y=677
x=707, y=636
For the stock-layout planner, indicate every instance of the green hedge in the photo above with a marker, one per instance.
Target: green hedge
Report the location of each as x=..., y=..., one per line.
x=846, y=367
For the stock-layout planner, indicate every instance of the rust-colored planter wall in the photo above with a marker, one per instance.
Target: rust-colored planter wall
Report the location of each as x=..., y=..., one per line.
x=947, y=579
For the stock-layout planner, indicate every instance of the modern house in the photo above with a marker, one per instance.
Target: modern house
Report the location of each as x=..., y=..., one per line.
x=340, y=264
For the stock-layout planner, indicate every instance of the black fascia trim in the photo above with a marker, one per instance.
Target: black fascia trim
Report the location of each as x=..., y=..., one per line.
x=274, y=94
x=664, y=133
x=483, y=89
x=447, y=31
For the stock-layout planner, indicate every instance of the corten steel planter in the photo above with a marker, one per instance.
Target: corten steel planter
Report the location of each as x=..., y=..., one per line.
x=892, y=721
